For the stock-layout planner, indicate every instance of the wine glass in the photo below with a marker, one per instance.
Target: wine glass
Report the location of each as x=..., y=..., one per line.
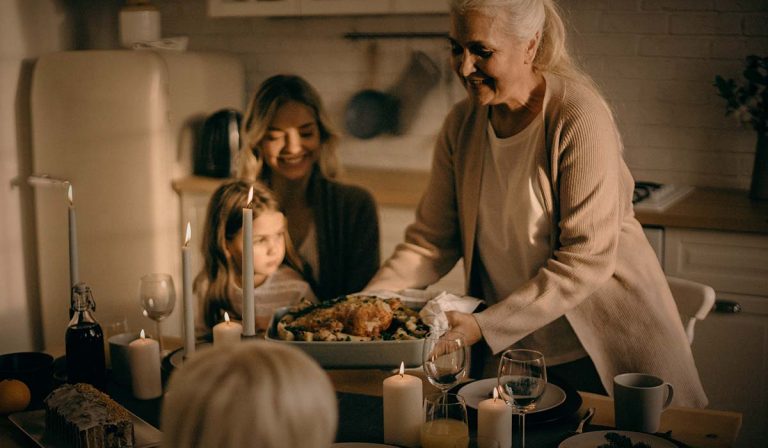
x=445, y=358
x=445, y=421
x=522, y=380
x=157, y=297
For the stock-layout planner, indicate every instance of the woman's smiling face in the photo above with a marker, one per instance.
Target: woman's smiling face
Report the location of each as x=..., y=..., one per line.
x=491, y=64
x=292, y=142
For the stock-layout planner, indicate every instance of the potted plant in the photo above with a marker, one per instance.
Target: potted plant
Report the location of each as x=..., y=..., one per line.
x=749, y=103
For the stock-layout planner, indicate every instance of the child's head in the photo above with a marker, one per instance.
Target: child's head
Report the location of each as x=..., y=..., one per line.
x=277, y=97
x=223, y=240
x=250, y=394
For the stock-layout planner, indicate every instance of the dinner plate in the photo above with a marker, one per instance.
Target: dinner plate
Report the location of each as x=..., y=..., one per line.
x=480, y=390
x=597, y=438
x=32, y=423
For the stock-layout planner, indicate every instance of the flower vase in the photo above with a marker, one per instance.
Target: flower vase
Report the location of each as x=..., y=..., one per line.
x=759, y=187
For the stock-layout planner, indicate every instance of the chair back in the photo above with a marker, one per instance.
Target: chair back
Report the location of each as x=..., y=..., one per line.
x=694, y=301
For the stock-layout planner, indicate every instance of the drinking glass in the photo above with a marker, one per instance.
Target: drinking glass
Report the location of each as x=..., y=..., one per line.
x=522, y=380
x=157, y=297
x=445, y=358
x=445, y=422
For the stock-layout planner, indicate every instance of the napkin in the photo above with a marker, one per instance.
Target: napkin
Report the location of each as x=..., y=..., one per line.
x=433, y=312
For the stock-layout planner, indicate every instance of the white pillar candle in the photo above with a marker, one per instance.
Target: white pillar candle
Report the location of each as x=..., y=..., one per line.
x=226, y=333
x=249, y=316
x=402, y=409
x=494, y=420
x=144, y=360
x=74, y=273
x=189, y=305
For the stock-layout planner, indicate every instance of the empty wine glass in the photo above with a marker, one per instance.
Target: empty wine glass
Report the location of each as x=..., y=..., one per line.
x=522, y=380
x=445, y=358
x=157, y=297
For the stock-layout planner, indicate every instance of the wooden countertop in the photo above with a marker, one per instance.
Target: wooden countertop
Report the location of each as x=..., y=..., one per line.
x=703, y=209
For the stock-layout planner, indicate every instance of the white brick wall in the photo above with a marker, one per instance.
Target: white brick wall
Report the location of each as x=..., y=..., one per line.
x=654, y=59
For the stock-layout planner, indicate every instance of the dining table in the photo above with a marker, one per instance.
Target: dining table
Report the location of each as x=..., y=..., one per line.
x=359, y=394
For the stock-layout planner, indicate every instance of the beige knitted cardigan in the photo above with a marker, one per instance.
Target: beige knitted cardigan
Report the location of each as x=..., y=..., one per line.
x=603, y=275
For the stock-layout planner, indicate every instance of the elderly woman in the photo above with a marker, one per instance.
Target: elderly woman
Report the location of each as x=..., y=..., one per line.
x=528, y=185
x=254, y=394
x=289, y=144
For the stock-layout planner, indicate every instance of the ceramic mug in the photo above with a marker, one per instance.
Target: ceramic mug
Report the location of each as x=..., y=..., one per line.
x=638, y=400
x=118, y=352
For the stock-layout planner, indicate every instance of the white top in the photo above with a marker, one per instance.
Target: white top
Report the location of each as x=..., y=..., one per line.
x=284, y=287
x=513, y=232
x=309, y=253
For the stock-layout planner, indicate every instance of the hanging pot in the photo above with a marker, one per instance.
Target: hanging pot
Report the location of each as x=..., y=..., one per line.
x=371, y=112
x=419, y=77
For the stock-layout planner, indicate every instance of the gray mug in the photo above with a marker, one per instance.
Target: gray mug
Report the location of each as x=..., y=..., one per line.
x=118, y=352
x=638, y=400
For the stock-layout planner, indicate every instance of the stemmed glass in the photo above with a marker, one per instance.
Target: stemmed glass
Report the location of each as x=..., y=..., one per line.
x=445, y=359
x=522, y=380
x=157, y=297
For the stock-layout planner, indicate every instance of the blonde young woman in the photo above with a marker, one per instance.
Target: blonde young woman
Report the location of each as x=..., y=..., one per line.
x=277, y=275
x=255, y=394
x=289, y=144
x=529, y=187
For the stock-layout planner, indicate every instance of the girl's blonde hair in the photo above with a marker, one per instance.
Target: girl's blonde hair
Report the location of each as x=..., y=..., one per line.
x=224, y=219
x=273, y=93
x=257, y=393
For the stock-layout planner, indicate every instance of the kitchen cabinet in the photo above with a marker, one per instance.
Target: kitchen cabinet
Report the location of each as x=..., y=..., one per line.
x=730, y=348
x=224, y=8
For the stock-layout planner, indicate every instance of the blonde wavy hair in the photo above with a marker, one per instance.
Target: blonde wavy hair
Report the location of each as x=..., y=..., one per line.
x=273, y=93
x=224, y=219
x=253, y=394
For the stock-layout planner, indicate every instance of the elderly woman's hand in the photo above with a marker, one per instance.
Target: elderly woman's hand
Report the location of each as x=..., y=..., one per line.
x=466, y=324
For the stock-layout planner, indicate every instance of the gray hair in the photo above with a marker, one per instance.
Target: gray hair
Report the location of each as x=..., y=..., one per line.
x=259, y=394
x=523, y=19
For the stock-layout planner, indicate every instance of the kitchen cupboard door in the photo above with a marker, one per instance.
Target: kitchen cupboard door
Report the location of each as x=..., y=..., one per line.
x=731, y=353
x=420, y=6
x=340, y=7
x=241, y=8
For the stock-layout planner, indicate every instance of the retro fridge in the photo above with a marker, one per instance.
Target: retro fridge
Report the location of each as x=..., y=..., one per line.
x=120, y=126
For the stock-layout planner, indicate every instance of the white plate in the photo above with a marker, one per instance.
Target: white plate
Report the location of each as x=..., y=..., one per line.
x=360, y=445
x=33, y=425
x=597, y=438
x=477, y=391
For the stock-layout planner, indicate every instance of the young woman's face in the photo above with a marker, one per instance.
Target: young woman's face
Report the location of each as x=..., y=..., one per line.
x=268, y=245
x=292, y=142
x=490, y=63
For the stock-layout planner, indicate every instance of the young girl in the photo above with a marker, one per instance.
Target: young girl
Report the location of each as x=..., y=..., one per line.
x=276, y=273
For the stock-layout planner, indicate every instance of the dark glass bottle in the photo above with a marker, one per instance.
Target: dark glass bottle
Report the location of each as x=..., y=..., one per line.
x=85, y=341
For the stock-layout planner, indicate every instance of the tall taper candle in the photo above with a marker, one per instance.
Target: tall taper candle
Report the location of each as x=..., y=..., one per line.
x=189, y=304
x=74, y=273
x=249, y=315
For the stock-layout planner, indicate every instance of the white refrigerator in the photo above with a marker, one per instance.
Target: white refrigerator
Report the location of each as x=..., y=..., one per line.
x=120, y=126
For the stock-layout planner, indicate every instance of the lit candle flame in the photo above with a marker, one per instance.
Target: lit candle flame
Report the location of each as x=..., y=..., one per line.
x=189, y=234
x=142, y=335
x=226, y=317
x=145, y=313
x=496, y=393
x=402, y=368
x=69, y=195
x=250, y=197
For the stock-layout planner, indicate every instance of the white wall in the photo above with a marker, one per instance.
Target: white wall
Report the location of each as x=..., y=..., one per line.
x=28, y=28
x=655, y=60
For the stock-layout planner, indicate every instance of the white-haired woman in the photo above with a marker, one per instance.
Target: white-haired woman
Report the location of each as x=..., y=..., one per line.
x=529, y=187
x=255, y=394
